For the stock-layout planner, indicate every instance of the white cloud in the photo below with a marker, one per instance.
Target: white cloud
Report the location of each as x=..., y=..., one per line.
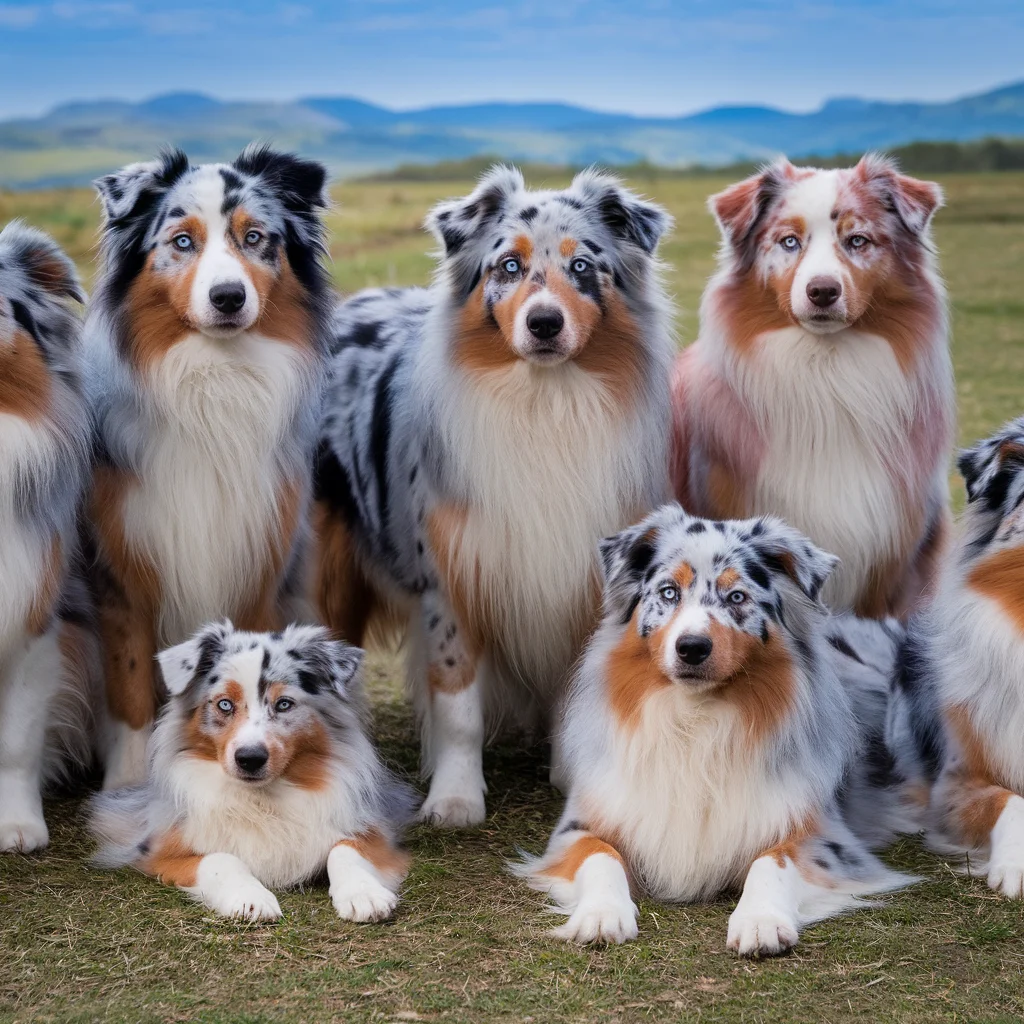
x=18, y=15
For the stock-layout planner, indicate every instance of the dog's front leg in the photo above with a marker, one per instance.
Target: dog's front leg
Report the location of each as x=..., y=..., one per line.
x=229, y=888
x=454, y=725
x=365, y=872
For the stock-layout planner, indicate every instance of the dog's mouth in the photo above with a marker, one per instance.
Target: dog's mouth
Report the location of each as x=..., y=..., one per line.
x=824, y=323
x=547, y=355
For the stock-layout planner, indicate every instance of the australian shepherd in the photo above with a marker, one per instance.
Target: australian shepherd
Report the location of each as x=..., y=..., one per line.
x=820, y=388
x=49, y=657
x=207, y=344
x=261, y=776
x=722, y=731
x=958, y=708
x=480, y=437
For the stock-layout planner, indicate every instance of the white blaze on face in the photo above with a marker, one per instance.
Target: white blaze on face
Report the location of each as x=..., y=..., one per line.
x=692, y=619
x=544, y=306
x=252, y=720
x=219, y=269
x=813, y=200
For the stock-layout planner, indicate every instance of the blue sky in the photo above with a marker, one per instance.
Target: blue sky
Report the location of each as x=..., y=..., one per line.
x=642, y=56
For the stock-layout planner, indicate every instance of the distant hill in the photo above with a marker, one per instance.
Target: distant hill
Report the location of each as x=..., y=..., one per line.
x=77, y=141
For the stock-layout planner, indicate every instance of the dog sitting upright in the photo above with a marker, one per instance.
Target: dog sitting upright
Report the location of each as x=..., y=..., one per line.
x=820, y=388
x=261, y=776
x=49, y=658
x=722, y=731
x=958, y=699
x=480, y=438
x=207, y=345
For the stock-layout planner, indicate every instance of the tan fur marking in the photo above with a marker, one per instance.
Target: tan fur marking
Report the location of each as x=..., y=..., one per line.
x=25, y=388
x=789, y=848
x=1000, y=577
x=761, y=686
x=567, y=247
x=172, y=861
x=375, y=847
x=308, y=758
x=727, y=580
x=571, y=859
x=479, y=345
x=159, y=312
x=973, y=795
x=41, y=613
x=342, y=592
x=684, y=575
x=128, y=592
x=284, y=311
x=522, y=245
x=632, y=674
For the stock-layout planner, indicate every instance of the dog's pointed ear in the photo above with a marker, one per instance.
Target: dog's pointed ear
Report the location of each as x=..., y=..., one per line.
x=627, y=556
x=133, y=188
x=786, y=552
x=980, y=464
x=740, y=208
x=629, y=217
x=43, y=261
x=912, y=200
x=300, y=184
x=324, y=663
x=194, y=659
x=455, y=222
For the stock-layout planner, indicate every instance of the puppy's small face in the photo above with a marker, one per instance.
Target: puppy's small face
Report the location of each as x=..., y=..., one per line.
x=826, y=243
x=260, y=704
x=542, y=273
x=706, y=595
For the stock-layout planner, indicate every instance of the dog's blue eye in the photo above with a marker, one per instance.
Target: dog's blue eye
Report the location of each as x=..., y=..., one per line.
x=580, y=266
x=253, y=238
x=182, y=242
x=283, y=704
x=226, y=706
x=511, y=266
x=737, y=597
x=790, y=243
x=669, y=593
x=857, y=241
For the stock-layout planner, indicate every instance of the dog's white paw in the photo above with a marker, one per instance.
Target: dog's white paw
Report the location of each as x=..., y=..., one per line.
x=596, y=922
x=1008, y=878
x=762, y=933
x=22, y=833
x=245, y=899
x=365, y=900
x=460, y=811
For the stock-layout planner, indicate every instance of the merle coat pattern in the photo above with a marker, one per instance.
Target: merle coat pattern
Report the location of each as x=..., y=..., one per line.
x=480, y=436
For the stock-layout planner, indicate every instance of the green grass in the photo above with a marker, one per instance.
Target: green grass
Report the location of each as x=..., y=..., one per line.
x=469, y=943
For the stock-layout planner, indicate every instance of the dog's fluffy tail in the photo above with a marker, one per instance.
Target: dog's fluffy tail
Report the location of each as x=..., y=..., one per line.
x=119, y=822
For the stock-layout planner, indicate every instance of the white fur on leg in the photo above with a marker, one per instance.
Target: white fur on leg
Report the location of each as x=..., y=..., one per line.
x=1006, y=861
x=765, y=921
x=456, y=723
x=604, y=911
x=229, y=888
x=126, y=756
x=357, y=891
x=29, y=682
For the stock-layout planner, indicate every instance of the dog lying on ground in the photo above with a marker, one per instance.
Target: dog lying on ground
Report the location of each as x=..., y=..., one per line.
x=722, y=731
x=49, y=657
x=207, y=345
x=261, y=777
x=958, y=699
x=820, y=388
x=480, y=437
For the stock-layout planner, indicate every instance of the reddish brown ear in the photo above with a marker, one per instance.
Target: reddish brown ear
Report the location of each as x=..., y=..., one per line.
x=915, y=201
x=738, y=207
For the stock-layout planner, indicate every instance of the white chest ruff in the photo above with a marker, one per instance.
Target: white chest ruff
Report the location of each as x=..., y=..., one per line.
x=24, y=553
x=549, y=467
x=693, y=807
x=836, y=414
x=206, y=510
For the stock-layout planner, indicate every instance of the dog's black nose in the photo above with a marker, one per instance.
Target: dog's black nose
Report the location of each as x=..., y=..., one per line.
x=251, y=759
x=544, y=324
x=228, y=298
x=824, y=291
x=693, y=649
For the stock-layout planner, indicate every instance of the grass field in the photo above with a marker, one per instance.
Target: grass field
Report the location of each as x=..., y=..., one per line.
x=468, y=943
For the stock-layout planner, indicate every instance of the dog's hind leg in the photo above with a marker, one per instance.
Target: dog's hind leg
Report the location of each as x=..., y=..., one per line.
x=453, y=724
